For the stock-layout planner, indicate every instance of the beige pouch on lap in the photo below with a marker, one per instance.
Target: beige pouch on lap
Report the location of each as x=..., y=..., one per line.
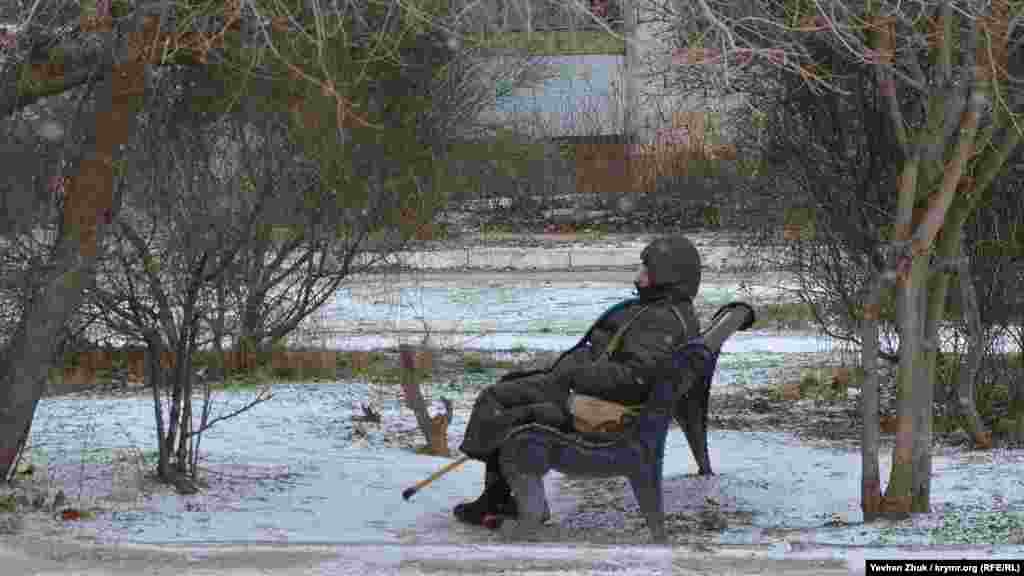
x=590, y=414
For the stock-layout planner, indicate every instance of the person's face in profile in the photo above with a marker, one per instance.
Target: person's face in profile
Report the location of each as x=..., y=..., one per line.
x=643, y=279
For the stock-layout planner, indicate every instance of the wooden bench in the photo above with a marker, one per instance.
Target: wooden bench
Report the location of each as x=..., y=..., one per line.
x=528, y=452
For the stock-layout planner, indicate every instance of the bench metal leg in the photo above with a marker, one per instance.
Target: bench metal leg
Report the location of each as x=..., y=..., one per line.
x=647, y=490
x=692, y=415
x=531, y=501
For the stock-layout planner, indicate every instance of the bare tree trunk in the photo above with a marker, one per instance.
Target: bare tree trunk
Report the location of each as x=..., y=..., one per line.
x=630, y=77
x=871, y=482
x=1016, y=386
x=250, y=317
x=933, y=303
x=188, y=439
x=204, y=419
x=897, y=500
x=28, y=359
x=174, y=413
x=218, y=328
x=155, y=379
x=219, y=369
x=910, y=275
x=969, y=373
x=180, y=418
x=184, y=384
x=249, y=336
x=932, y=308
x=411, y=391
x=26, y=363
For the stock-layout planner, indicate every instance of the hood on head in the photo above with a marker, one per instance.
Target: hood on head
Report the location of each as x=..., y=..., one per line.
x=673, y=261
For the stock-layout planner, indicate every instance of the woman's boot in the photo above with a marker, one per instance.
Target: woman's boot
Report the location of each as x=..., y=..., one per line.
x=496, y=500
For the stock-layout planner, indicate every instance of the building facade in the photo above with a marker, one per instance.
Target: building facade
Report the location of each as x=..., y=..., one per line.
x=603, y=95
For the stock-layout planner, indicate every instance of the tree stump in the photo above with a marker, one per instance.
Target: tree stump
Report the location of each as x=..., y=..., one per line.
x=435, y=429
x=439, y=430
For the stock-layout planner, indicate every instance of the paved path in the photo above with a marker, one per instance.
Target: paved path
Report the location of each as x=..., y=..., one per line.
x=561, y=252
x=53, y=558
x=56, y=557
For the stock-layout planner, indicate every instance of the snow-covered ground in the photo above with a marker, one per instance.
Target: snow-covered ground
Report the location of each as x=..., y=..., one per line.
x=298, y=471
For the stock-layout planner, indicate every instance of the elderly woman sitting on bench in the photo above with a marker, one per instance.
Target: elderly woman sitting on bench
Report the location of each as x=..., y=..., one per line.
x=616, y=361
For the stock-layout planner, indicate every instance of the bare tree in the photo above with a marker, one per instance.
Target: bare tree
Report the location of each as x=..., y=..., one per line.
x=834, y=157
x=247, y=245
x=942, y=68
x=50, y=48
x=371, y=186
x=87, y=204
x=991, y=305
x=174, y=239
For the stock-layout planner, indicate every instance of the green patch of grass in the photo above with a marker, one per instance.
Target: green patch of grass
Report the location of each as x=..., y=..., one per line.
x=961, y=527
x=288, y=374
x=476, y=363
x=495, y=230
x=264, y=373
x=775, y=393
x=989, y=396
x=381, y=369
x=8, y=504
x=27, y=469
x=784, y=316
x=464, y=297
x=376, y=367
x=473, y=380
x=980, y=528
x=104, y=375
x=506, y=295
x=150, y=458
x=473, y=362
x=97, y=455
x=259, y=376
x=1005, y=426
x=946, y=423
x=380, y=373
x=810, y=385
x=204, y=358
x=822, y=385
x=593, y=232
x=711, y=216
x=752, y=360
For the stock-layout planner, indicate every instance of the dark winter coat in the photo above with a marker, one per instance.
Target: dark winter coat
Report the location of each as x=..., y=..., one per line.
x=661, y=321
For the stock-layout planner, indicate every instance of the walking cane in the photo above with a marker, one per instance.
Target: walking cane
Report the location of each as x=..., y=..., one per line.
x=408, y=492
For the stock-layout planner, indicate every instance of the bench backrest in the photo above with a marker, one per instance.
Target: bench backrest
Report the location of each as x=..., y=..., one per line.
x=695, y=361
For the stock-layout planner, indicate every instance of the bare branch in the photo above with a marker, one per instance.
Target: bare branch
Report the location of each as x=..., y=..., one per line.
x=939, y=203
x=945, y=68
x=156, y=289
x=885, y=44
x=262, y=396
